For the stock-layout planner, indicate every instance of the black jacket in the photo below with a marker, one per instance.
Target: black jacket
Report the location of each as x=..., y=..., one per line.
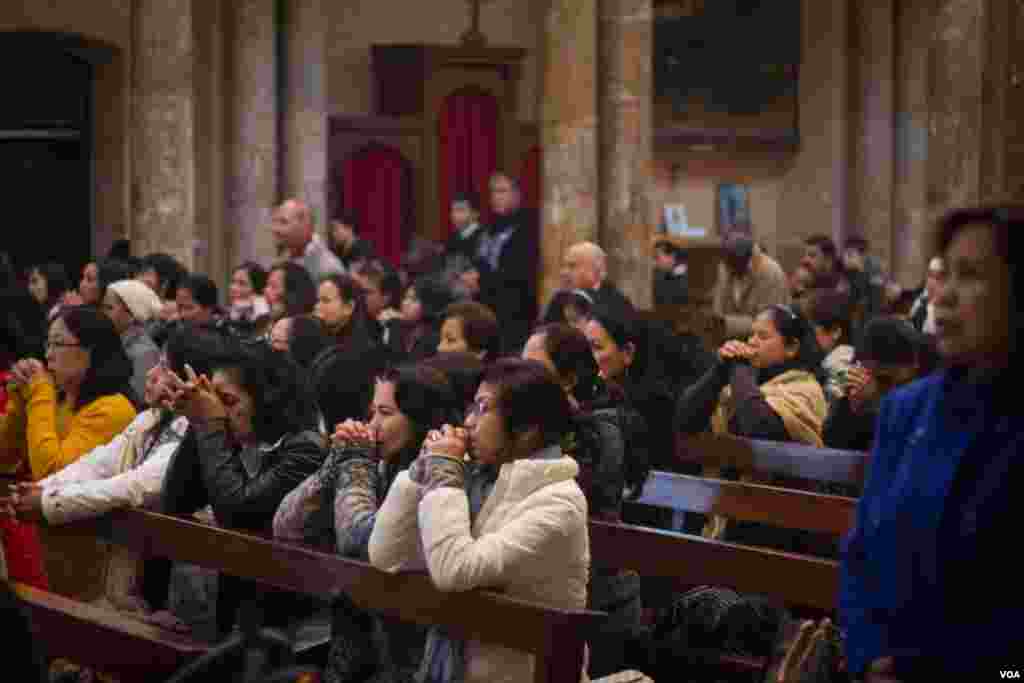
x=753, y=418
x=511, y=288
x=847, y=430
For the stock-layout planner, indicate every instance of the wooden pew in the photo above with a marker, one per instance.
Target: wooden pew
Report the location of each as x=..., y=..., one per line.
x=105, y=640
x=555, y=636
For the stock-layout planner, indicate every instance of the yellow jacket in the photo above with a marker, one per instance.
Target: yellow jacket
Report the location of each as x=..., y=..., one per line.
x=48, y=436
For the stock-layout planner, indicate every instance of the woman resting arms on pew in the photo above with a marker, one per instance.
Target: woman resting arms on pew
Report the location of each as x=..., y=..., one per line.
x=126, y=472
x=59, y=412
x=256, y=440
x=597, y=442
x=337, y=506
x=942, y=501
x=518, y=525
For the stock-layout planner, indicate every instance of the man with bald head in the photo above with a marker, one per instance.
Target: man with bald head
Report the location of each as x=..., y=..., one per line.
x=585, y=267
x=297, y=241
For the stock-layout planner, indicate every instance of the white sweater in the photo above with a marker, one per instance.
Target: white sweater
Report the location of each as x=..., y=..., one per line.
x=529, y=541
x=102, y=480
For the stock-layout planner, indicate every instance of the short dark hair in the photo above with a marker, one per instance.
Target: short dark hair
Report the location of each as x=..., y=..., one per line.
x=625, y=328
x=110, y=370
x=169, y=272
x=565, y=297
x=434, y=296
x=347, y=217
x=670, y=249
x=513, y=181
x=831, y=309
x=204, y=290
x=57, y=281
x=257, y=275
x=856, y=242
x=479, y=326
x=386, y=278
x=281, y=401
x=572, y=356
x=890, y=341
x=307, y=340
x=111, y=270
x=341, y=380
x=299, y=289
x=529, y=396
x=826, y=245
x=463, y=370
x=425, y=396
x=793, y=327
x=199, y=346
x=467, y=197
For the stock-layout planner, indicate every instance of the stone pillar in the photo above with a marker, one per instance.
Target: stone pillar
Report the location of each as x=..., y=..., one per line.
x=627, y=223
x=163, y=151
x=252, y=115
x=872, y=118
x=839, y=94
x=304, y=143
x=569, y=134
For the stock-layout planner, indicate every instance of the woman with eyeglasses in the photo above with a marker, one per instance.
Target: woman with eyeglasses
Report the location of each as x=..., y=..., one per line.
x=128, y=471
x=765, y=388
x=513, y=520
x=928, y=587
x=60, y=411
x=337, y=507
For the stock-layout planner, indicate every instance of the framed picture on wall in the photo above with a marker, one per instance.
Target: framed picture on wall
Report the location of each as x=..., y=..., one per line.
x=733, y=208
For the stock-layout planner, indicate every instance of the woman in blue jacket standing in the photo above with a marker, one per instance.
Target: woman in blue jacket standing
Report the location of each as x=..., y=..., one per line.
x=930, y=589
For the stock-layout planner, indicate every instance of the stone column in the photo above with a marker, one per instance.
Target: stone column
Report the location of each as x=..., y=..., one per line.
x=252, y=116
x=163, y=151
x=872, y=118
x=569, y=134
x=627, y=223
x=304, y=143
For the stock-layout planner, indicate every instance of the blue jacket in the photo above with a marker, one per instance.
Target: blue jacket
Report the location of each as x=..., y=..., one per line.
x=929, y=573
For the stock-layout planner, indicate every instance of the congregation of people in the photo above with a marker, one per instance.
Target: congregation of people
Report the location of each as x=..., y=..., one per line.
x=430, y=416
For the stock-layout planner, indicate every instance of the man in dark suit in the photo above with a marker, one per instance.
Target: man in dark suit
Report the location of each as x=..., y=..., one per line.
x=465, y=239
x=670, y=275
x=345, y=242
x=508, y=257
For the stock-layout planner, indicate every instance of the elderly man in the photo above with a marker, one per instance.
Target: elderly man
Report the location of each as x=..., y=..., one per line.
x=585, y=267
x=295, y=239
x=748, y=282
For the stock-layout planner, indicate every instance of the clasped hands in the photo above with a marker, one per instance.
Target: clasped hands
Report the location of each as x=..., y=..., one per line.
x=194, y=398
x=736, y=351
x=861, y=387
x=25, y=371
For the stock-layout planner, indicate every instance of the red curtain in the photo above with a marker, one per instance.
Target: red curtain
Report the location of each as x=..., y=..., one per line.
x=469, y=150
x=377, y=186
x=532, y=176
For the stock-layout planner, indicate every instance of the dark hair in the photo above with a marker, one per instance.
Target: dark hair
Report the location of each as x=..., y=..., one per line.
x=1007, y=222
x=565, y=297
x=110, y=271
x=890, y=341
x=468, y=197
x=463, y=371
x=479, y=326
x=793, y=327
x=625, y=328
x=347, y=217
x=57, y=281
x=386, y=278
x=299, y=289
x=203, y=348
x=507, y=176
x=831, y=309
x=169, y=272
x=341, y=383
x=8, y=278
x=856, y=242
x=204, y=290
x=425, y=397
x=307, y=340
x=120, y=250
x=281, y=402
x=572, y=356
x=257, y=275
x=529, y=396
x=348, y=290
x=434, y=297
x=110, y=370
x=826, y=246
x=670, y=249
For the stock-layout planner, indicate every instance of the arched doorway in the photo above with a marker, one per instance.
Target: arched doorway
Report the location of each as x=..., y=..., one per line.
x=376, y=184
x=46, y=149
